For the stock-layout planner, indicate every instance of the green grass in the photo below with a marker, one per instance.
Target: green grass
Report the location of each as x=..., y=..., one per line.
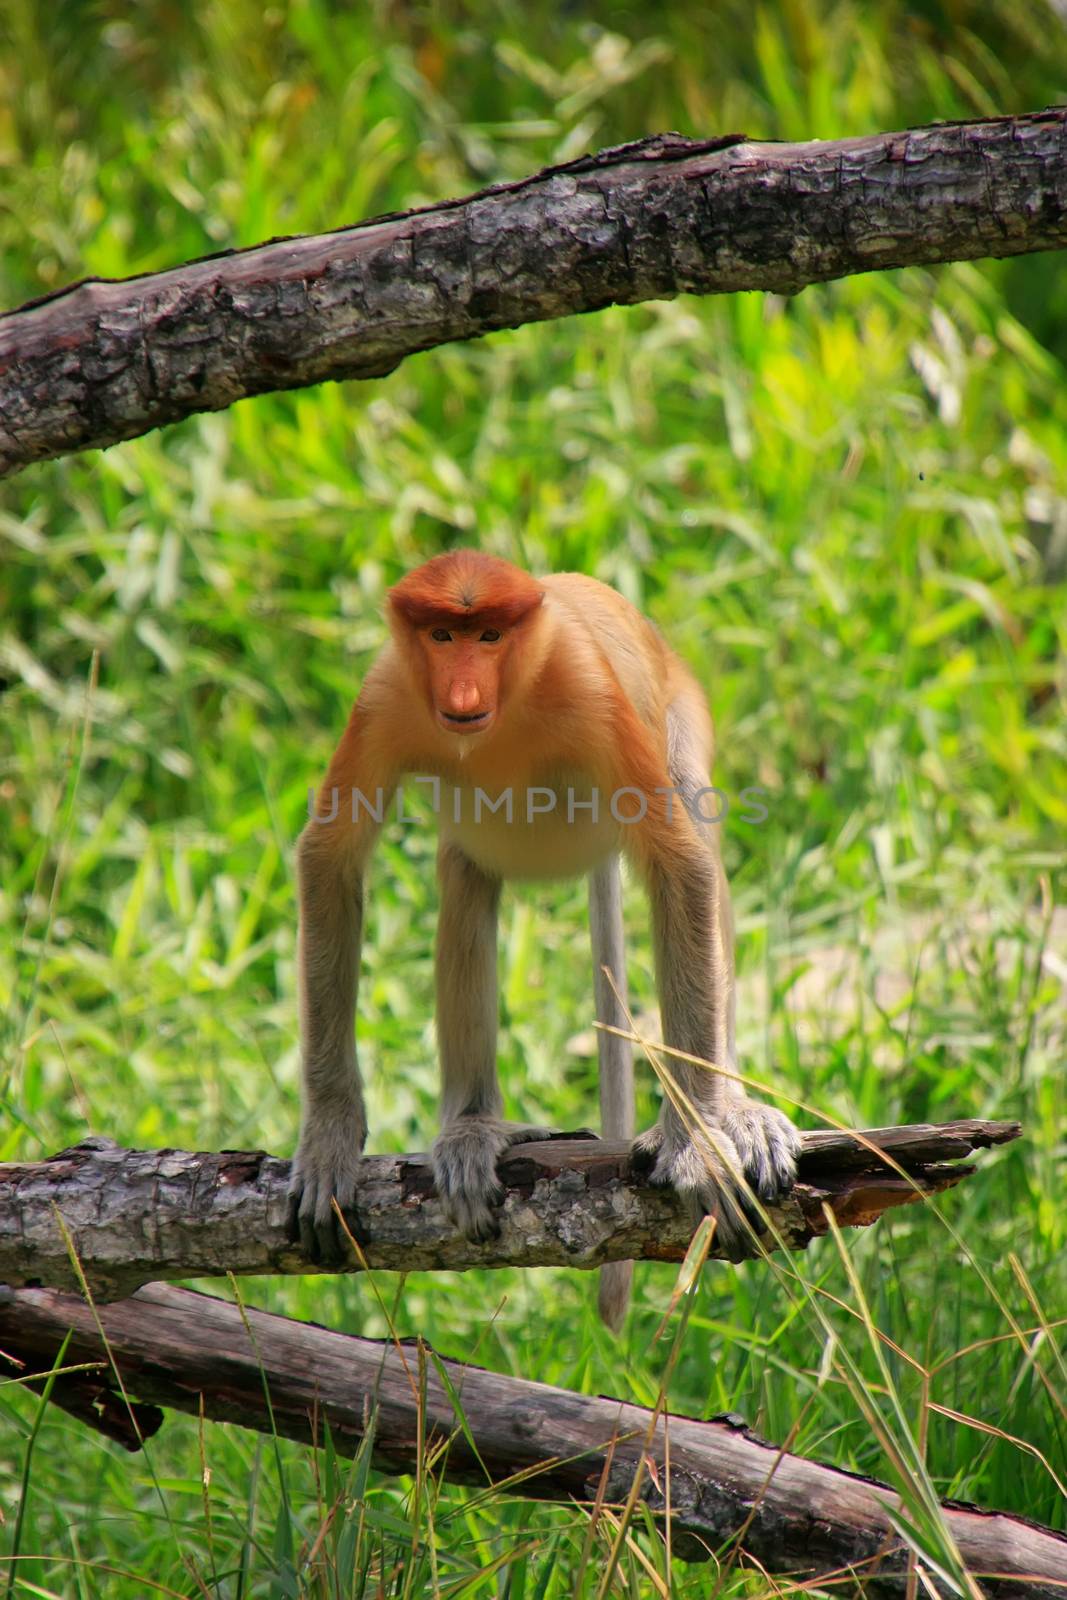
x=848, y=511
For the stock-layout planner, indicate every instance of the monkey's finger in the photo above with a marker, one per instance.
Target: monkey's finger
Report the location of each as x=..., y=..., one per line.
x=307, y=1221
x=770, y=1167
x=768, y=1144
x=744, y=1199
x=485, y=1229
x=731, y=1234
x=301, y=1228
x=309, y=1237
x=733, y=1248
x=351, y=1225
x=292, y=1219
x=644, y=1153
x=748, y=1201
x=331, y=1244
x=476, y=1214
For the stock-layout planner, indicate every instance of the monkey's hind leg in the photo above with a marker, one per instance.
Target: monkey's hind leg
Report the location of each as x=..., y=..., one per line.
x=473, y=1133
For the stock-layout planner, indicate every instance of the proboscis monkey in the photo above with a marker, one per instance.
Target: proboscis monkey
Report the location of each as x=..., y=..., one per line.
x=557, y=693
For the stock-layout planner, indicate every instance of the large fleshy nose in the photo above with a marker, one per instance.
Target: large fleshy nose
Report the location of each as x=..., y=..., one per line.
x=463, y=697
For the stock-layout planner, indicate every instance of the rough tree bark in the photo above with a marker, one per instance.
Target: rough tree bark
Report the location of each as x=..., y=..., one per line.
x=103, y=361
x=788, y=1514
x=138, y=1215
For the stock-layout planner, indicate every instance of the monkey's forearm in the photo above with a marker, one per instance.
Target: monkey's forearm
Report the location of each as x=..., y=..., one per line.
x=466, y=980
x=333, y=1126
x=330, y=944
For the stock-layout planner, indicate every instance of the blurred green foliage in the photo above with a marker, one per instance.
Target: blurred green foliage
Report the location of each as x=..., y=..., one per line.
x=847, y=510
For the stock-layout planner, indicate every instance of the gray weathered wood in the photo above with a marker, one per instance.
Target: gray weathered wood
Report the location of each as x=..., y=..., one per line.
x=173, y=1347
x=139, y=1215
x=102, y=360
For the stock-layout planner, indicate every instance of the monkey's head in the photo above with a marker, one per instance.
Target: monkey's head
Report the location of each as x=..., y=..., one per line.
x=458, y=620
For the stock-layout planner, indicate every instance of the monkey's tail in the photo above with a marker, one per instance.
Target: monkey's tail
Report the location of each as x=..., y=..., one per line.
x=615, y=1054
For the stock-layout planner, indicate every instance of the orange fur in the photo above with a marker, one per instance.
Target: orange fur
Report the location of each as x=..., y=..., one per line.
x=579, y=682
x=467, y=587
x=496, y=681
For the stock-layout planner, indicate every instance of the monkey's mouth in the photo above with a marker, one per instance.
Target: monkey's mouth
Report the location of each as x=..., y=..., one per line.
x=471, y=723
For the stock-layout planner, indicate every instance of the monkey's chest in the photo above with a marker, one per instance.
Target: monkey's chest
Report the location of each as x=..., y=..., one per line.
x=559, y=828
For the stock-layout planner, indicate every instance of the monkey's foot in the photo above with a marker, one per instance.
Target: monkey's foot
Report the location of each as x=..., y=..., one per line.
x=768, y=1145
x=719, y=1171
x=325, y=1167
x=464, y=1157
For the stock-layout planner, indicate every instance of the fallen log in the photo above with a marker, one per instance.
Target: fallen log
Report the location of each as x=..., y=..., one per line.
x=726, y=1487
x=135, y=1216
x=101, y=360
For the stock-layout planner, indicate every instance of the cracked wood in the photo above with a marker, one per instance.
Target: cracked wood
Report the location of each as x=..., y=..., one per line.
x=139, y=1215
x=727, y=1487
x=102, y=360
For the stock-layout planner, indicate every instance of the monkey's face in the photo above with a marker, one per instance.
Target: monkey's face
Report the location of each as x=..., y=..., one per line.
x=465, y=666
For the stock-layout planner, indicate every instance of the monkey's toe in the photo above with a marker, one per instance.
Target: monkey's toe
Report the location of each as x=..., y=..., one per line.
x=644, y=1153
x=317, y=1232
x=768, y=1145
x=720, y=1193
x=738, y=1221
x=317, y=1179
x=476, y=1216
x=474, y=1209
x=303, y=1227
x=325, y=1242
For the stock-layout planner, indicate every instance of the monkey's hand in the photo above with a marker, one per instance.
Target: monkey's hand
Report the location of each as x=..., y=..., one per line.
x=749, y=1150
x=464, y=1157
x=325, y=1167
x=768, y=1145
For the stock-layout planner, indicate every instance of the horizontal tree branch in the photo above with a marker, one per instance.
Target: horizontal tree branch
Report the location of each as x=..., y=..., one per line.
x=107, y=360
x=137, y=1215
x=726, y=1487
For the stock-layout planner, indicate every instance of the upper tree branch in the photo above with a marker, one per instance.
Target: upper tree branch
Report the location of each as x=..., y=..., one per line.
x=104, y=361
x=137, y=1215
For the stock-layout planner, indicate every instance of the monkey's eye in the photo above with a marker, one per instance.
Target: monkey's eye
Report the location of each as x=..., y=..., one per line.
x=490, y=636
x=441, y=636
